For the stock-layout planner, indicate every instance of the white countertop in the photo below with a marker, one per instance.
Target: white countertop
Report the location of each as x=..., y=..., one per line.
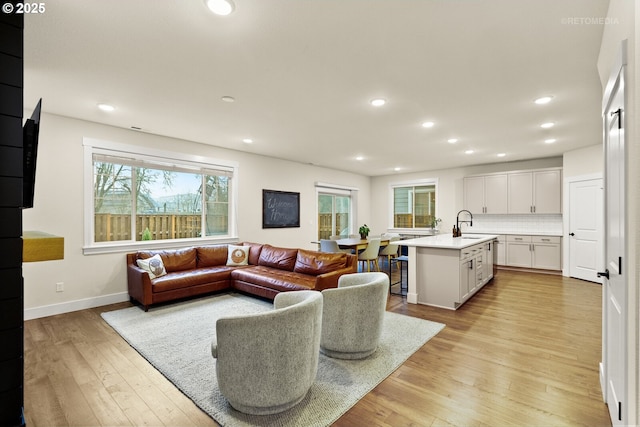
x=519, y=233
x=447, y=241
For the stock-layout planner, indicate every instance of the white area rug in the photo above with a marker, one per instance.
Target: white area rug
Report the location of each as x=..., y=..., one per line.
x=176, y=339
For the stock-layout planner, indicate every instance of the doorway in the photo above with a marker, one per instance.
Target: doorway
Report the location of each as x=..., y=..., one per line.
x=334, y=215
x=586, y=235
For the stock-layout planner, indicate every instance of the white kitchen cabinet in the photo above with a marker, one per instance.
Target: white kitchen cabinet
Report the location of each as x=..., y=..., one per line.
x=487, y=260
x=501, y=248
x=540, y=252
x=486, y=194
x=546, y=253
x=534, y=192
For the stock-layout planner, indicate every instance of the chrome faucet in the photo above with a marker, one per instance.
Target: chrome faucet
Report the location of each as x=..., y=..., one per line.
x=458, y=222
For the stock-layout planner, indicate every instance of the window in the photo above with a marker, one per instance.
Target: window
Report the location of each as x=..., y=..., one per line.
x=414, y=206
x=145, y=197
x=336, y=209
x=333, y=215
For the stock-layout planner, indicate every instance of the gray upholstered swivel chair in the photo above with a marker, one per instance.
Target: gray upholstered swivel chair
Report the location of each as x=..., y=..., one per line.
x=266, y=362
x=353, y=314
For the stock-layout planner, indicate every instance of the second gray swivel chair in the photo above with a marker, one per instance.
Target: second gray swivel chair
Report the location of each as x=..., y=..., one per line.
x=353, y=315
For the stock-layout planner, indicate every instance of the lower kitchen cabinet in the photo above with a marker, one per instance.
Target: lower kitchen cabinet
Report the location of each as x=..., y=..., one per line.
x=541, y=252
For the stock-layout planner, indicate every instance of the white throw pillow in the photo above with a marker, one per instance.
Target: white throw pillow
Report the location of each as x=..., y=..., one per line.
x=238, y=255
x=153, y=266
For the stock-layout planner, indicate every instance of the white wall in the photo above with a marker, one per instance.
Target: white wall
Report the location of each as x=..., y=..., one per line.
x=584, y=161
x=449, y=193
x=92, y=280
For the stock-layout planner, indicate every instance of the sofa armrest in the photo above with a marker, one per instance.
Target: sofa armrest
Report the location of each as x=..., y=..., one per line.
x=330, y=280
x=139, y=285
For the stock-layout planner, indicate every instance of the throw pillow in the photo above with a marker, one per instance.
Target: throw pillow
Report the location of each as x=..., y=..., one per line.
x=154, y=266
x=238, y=255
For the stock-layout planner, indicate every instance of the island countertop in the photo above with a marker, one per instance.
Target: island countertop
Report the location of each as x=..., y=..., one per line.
x=447, y=241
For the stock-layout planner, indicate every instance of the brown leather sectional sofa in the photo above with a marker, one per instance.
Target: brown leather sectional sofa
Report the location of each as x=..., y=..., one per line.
x=203, y=269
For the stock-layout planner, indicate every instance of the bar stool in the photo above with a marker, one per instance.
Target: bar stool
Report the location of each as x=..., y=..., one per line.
x=403, y=260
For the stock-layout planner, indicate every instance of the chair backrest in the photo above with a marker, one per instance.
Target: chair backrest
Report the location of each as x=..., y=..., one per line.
x=336, y=237
x=391, y=248
x=372, y=249
x=329, y=246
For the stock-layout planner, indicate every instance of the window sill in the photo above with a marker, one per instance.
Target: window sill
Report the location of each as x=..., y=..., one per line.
x=154, y=245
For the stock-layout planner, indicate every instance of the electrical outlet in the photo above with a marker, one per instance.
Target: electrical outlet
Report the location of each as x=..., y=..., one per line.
x=60, y=287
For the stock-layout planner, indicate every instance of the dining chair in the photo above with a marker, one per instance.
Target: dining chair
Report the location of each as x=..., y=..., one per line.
x=370, y=254
x=391, y=250
x=331, y=246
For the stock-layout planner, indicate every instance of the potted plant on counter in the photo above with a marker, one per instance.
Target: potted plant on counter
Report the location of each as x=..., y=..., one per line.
x=364, y=231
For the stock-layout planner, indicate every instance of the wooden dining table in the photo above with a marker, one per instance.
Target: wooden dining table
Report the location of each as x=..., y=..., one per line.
x=359, y=244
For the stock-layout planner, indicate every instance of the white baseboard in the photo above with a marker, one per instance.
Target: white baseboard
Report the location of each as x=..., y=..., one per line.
x=67, y=307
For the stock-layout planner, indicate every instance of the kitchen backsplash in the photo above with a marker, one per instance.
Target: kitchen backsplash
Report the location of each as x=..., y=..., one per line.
x=516, y=224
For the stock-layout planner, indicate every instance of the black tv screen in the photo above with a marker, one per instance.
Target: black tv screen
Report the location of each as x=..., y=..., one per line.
x=30, y=132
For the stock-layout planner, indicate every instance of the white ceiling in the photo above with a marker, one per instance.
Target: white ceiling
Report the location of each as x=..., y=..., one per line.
x=303, y=72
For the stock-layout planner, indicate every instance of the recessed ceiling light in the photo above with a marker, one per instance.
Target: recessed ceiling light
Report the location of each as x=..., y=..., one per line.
x=468, y=152
x=502, y=154
x=228, y=99
x=547, y=125
x=360, y=158
x=396, y=169
x=452, y=140
x=247, y=140
x=428, y=124
x=220, y=7
x=106, y=107
x=378, y=102
x=549, y=141
x=543, y=100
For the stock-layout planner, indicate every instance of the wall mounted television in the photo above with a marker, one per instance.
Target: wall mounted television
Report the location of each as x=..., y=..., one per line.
x=30, y=132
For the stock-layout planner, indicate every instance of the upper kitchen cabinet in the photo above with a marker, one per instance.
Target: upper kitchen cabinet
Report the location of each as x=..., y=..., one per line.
x=486, y=194
x=536, y=192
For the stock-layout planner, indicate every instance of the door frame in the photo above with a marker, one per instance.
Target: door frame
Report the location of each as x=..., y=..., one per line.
x=566, y=223
x=630, y=364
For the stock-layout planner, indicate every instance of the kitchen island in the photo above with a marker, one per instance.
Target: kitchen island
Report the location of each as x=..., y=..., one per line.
x=445, y=271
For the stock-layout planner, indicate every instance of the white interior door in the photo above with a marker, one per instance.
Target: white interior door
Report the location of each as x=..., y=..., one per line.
x=615, y=280
x=586, y=237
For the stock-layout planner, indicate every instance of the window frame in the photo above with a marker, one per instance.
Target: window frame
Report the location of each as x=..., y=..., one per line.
x=413, y=183
x=133, y=153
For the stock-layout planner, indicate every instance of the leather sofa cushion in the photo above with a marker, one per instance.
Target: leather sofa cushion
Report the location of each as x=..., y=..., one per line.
x=274, y=279
x=210, y=256
x=280, y=258
x=254, y=252
x=315, y=263
x=174, y=260
x=188, y=278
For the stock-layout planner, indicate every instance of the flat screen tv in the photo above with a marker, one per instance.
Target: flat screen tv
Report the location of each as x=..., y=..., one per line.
x=30, y=132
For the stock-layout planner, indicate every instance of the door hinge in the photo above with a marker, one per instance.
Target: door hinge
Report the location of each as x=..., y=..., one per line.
x=619, y=411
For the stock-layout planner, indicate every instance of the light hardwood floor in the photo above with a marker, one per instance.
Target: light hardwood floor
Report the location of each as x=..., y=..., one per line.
x=523, y=352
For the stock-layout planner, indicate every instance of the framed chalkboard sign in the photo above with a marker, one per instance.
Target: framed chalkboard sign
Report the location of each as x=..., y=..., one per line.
x=280, y=209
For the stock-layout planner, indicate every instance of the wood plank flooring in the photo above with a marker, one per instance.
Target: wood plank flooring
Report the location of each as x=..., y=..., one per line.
x=523, y=352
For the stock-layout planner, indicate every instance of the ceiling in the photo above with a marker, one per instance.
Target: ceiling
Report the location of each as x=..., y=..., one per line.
x=303, y=73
